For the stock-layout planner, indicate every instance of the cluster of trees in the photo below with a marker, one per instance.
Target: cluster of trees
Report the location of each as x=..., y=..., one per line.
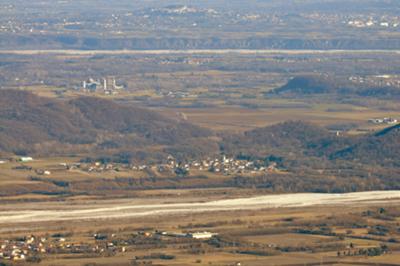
x=160, y=256
x=370, y=252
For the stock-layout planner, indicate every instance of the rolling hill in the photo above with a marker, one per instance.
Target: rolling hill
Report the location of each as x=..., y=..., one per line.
x=322, y=84
x=86, y=125
x=289, y=139
x=381, y=148
x=299, y=141
x=31, y=124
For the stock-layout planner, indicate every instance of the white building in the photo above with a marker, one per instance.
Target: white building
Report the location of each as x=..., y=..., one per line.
x=201, y=235
x=26, y=159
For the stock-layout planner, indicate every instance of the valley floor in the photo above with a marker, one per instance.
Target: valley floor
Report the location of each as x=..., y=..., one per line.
x=275, y=229
x=126, y=208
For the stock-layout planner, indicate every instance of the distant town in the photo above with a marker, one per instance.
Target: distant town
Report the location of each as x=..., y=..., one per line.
x=32, y=248
x=219, y=165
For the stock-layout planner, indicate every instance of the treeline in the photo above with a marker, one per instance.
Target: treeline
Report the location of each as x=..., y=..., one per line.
x=175, y=43
x=270, y=182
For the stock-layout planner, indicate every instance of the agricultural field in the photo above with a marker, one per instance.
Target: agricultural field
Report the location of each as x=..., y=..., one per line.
x=186, y=132
x=336, y=234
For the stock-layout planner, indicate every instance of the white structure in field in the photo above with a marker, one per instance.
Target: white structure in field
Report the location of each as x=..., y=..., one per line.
x=26, y=159
x=202, y=235
x=108, y=85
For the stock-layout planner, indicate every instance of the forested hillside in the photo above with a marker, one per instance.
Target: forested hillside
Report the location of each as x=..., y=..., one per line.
x=31, y=124
x=322, y=84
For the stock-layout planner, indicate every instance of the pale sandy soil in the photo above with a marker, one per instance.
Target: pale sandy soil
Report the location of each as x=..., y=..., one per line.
x=113, y=209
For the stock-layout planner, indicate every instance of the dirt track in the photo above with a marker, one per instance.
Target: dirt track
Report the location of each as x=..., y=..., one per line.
x=63, y=211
